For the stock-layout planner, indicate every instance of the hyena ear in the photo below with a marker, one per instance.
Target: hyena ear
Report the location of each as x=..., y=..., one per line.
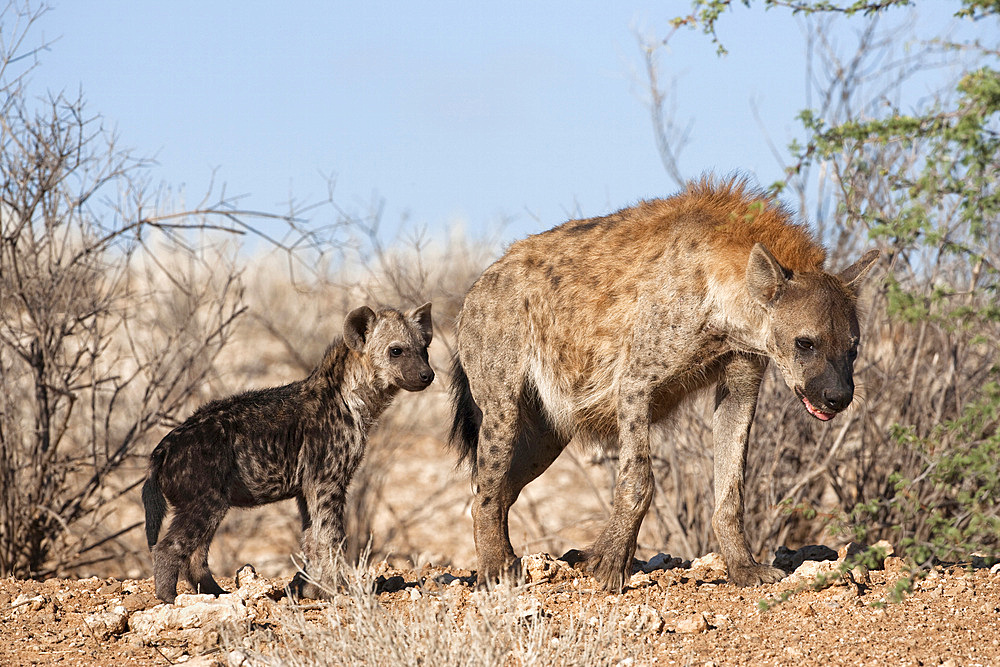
x=421, y=317
x=765, y=277
x=856, y=273
x=356, y=327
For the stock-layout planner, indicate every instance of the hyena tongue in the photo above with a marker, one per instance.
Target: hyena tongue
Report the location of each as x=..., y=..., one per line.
x=816, y=412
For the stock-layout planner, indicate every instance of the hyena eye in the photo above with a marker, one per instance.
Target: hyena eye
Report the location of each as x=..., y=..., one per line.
x=805, y=344
x=852, y=353
x=395, y=351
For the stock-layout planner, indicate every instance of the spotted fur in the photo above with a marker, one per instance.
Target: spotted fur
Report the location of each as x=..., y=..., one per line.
x=598, y=328
x=303, y=440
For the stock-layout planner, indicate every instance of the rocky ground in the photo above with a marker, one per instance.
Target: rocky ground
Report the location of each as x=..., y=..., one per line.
x=672, y=612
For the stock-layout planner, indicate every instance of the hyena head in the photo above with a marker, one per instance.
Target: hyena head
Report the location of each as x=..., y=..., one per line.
x=395, y=344
x=813, y=327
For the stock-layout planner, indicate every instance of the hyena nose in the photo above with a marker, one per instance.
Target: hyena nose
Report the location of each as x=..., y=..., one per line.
x=427, y=376
x=837, y=399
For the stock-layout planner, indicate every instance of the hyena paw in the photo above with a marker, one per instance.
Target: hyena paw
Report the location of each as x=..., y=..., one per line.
x=508, y=572
x=609, y=567
x=754, y=574
x=300, y=587
x=167, y=596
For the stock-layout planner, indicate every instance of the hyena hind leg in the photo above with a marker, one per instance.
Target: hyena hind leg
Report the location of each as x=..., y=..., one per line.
x=184, y=548
x=536, y=445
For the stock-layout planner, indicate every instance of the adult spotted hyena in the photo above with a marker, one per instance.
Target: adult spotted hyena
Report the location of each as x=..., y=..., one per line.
x=599, y=328
x=303, y=440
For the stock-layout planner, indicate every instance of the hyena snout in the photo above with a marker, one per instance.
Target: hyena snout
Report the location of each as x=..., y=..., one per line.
x=415, y=376
x=827, y=395
x=838, y=399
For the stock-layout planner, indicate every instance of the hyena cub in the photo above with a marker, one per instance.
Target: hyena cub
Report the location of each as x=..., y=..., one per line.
x=303, y=440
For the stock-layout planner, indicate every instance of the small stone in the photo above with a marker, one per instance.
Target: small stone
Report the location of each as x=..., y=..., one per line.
x=662, y=562
x=110, y=589
x=237, y=658
x=984, y=561
x=251, y=586
x=391, y=584
x=27, y=603
x=789, y=561
x=640, y=579
x=136, y=601
x=895, y=565
x=246, y=575
x=106, y=623
x=817, y=574
x=542, y=567
x=710, y=561
x=885, y=546
x=642, y=620
x=205, y=661
x=694, y=624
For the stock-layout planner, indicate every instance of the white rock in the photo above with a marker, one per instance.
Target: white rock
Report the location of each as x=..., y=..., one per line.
x=250, y=586
x=640, y=579
x=187, y=612
x=811, y=572
x=25, y=602
x=710, y=561
x=237, y=658
x=543, y=567
x=109, y=622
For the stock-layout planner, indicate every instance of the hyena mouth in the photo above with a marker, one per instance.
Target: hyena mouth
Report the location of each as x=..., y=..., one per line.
x=821, y=415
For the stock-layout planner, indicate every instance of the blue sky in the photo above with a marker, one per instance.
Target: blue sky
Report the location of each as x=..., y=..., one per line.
x=453, y=113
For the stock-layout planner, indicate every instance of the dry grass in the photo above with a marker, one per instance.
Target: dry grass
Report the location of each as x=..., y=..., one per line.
x=438, y=626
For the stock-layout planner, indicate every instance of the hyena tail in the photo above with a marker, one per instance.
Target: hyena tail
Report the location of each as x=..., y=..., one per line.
x=468, y=417
x=153, y=500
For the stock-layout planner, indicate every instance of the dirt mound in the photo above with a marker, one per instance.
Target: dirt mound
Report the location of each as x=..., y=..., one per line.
x=671, y=611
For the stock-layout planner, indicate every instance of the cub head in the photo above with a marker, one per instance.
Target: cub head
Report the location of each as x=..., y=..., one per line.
x=395, y=344
x=813, y=332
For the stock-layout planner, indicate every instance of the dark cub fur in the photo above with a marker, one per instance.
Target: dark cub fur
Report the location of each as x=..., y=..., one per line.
x=303, y=440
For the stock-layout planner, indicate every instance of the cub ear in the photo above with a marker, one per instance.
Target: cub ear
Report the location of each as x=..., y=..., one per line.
x=356, y=327
x=856, y=273
x=765, y=277
x=421, y=317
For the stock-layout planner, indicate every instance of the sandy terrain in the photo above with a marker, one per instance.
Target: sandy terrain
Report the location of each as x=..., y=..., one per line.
x=684, y=614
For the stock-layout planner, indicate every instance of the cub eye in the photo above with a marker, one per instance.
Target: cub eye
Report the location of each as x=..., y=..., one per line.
x=805, y=344
x=852, y=353
x=395, y=351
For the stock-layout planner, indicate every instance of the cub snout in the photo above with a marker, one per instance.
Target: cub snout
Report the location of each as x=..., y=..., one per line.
x=417, y=380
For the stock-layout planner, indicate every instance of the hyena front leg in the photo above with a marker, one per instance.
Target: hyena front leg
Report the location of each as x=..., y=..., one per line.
x=735, y=405
x=322, y=508
x=610, y=557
